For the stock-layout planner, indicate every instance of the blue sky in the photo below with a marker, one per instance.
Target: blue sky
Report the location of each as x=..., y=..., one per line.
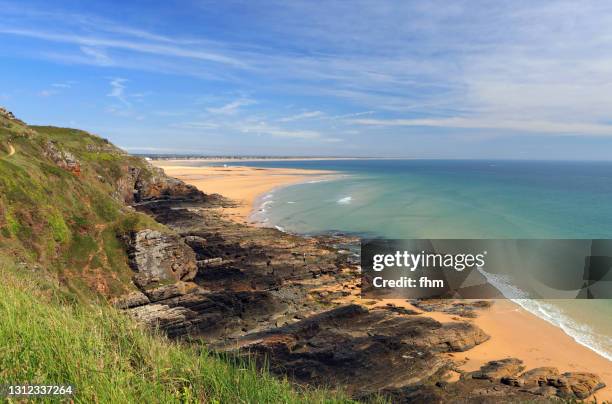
x=452, y=79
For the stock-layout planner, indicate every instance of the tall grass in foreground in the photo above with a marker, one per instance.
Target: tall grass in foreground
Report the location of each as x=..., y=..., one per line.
x=108, y=358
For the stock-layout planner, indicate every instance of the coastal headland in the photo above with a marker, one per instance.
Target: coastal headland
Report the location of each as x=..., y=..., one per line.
x=518, y=354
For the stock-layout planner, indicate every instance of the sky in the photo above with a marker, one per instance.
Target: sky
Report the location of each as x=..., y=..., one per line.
x=414, y=79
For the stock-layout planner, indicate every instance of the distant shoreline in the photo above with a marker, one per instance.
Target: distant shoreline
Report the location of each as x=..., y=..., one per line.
x=178, y=161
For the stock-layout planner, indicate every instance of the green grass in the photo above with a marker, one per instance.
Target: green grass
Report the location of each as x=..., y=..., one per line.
x=47, y=339
x=59, y=230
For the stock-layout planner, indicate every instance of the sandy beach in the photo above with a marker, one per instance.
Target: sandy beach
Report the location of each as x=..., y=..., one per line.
x=514, y=331
x=517, y=333
x=241, y=184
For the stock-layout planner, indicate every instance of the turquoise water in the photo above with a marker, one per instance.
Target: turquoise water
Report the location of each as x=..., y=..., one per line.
x=446, y=199
x=460, y=199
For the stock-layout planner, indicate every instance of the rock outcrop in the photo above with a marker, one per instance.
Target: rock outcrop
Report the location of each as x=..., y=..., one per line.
x=6, y=114
x=159, y=258
x=362, y=350
x=496, y=371
x=62, y=158
x=467, y=309
x=545, y=381
x=141, y=187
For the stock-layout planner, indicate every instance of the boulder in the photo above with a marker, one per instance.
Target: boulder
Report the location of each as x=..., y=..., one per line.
x=498, y=370
x=538, y=376
x=455, y=337
x=577, y=384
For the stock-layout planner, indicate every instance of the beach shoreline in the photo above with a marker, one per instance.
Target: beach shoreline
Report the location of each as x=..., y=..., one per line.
x=514, y=331
x=244, y=185
x=237, y=160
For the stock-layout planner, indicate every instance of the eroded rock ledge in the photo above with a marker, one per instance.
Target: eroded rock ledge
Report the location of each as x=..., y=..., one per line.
x=259, y=292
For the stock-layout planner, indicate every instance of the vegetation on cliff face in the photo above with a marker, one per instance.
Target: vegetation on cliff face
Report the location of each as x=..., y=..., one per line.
x=59, y=205
x=62, y=212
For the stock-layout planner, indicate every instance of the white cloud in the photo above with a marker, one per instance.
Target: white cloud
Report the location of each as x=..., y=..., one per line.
x=529, y=126
x=196, y=125
x=97, y=56
x=61, y=85
x=230, y=108
x=47, y=93
x=263, y=128
x=118, y=91
x=303, y=115
x=353, y=115
x=160, y=49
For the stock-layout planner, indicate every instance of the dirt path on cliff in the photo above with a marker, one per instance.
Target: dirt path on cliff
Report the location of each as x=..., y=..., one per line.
x=11, y=150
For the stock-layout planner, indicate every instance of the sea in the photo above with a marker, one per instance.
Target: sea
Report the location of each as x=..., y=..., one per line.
x=458, y=199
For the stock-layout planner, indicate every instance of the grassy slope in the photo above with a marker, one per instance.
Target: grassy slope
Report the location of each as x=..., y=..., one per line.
x=108, y=358
x=65, y=223
x=59, y=252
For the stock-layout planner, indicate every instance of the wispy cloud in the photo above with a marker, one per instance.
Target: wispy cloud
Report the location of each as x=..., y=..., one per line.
x=303, y=115
x=160, y=49
x=263, y=128
x=61, y=85
x=56, y=88
x=230, y=108
x=118, y=90
x=196, y=125
x=97, y=55
x=47, y=93
x=527, y=126
x=352, y=115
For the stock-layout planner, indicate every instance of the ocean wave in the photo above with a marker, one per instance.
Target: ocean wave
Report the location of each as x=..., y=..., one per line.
x=504, y=284
x=580, y=332
x=279, y=228
x=291, y=202
x=263, y=207
x=345, y=201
